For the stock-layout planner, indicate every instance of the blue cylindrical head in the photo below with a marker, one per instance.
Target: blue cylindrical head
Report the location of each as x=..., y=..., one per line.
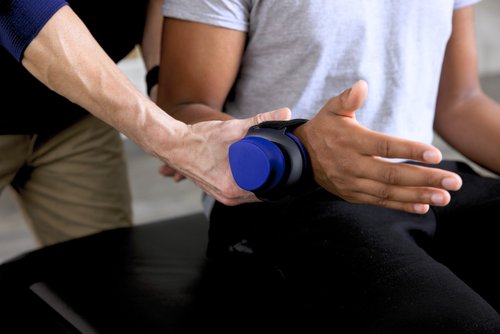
x=256, y=163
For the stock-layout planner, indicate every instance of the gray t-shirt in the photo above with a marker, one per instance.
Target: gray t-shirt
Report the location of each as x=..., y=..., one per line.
x=322, y=47
x=301, y=53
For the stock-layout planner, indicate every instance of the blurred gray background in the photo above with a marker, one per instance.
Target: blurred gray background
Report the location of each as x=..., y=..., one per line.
x=156, y=197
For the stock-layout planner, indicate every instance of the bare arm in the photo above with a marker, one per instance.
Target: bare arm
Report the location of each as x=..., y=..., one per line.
x=465, y=117
x=66, y=58
x=198, y=67
x=151, y=40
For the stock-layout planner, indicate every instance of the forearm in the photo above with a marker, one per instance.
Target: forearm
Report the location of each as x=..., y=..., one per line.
x=66, y=58
x=465, y=117
x=472, y=126
x=151, y=41
x=151, y=46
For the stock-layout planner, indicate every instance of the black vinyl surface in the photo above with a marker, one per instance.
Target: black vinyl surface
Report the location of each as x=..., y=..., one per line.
x=151, y=278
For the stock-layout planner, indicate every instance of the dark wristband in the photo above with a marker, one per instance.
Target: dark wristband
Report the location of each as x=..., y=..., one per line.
x=288, y=126
x=152, y=78
x=305, y=184
x=271, y=162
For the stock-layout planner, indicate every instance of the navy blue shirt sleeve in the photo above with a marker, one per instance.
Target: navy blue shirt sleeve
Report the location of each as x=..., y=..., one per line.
x=22, y=20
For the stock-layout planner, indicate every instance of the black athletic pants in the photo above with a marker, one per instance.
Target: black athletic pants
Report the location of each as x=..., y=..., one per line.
x=370, y=269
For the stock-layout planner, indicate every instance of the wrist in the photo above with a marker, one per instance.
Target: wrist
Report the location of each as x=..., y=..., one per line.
x=272, y=162
x=152, y=78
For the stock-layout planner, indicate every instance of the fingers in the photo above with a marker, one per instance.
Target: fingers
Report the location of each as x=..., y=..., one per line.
x=403, y=174
x=417, y=208
x=282, y=114
x=178, y=177
x=349, y=100
x=398, y=185
x=411, y=200
x=353, y=98
x=167, y=171
x=382, y=145
x=386, y=192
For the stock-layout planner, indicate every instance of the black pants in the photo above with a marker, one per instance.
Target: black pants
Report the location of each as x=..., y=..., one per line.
x=371, y=269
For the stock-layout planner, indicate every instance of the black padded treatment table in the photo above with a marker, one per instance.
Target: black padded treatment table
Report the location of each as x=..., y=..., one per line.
x=150, y=278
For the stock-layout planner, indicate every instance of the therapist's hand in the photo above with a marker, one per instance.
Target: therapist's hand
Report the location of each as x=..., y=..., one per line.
x=347, y=160
x=204, y=156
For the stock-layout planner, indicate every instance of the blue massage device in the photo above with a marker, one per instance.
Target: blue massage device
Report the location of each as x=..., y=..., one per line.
x=270, y=161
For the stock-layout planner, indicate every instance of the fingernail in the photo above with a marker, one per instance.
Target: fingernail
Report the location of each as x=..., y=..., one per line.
x=345, y=97
x=347, y=92
x=421, y=208
x=451, y=183
x=432, y=156
x=437, y=199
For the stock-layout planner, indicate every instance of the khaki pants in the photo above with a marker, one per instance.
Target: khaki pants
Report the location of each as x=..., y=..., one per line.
x=69, y=185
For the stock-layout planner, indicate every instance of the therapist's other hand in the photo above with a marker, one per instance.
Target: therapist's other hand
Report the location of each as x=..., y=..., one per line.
x=168, y=171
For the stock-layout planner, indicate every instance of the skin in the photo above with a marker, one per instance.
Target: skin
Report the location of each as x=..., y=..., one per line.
x=151, y=41
x=466, y=117
x=345, y=156
x=67, y=59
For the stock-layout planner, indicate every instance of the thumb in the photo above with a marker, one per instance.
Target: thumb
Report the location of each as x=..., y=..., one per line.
x=282, y=114
x=349, y=100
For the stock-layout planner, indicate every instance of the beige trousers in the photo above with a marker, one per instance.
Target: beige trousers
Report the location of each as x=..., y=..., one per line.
x=69, y=185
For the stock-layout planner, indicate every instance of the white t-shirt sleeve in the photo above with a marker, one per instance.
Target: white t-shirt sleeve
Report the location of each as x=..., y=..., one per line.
x=231, y=14
x=464, y=3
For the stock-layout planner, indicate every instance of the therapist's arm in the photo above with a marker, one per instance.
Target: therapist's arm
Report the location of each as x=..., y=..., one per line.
x=67, y=59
